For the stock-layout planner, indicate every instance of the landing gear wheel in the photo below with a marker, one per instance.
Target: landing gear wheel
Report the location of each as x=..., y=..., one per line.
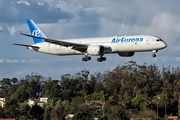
x=101, y=59
x=153, y=55
x=89, y=58
x=86, y=58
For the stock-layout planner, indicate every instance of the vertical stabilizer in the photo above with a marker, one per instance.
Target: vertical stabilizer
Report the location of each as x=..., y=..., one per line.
x=35, y=31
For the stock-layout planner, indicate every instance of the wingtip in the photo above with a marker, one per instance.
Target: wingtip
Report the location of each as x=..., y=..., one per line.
x=20, y=33
x=24, y=34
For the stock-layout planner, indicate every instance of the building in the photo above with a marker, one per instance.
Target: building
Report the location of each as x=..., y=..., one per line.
x=69, y=116
x=173, y=118
x=44, y=99
x=41, y=101
x=2, y=101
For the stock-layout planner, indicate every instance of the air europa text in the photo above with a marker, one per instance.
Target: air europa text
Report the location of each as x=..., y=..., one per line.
x=127, y=40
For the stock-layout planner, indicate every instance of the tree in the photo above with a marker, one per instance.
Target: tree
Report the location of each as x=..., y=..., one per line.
x=14, y=85
x=82, y=116
x=1, y=112
x=4, y=86
x=72, y=86
x=48, y=112
x=115, y=112
x=52, y=89
x=11, y=109
x=95, y=83
x=8, y=86
x=129, y=90
x=21, y=94
x=24, y=112
x=37, y=112
x=78, y=104
x=34, y=85
x=137, y=103
x=49, y=109
x=61, y=109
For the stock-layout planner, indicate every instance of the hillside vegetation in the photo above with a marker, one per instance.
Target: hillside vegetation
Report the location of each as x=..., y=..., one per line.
x=128, y=91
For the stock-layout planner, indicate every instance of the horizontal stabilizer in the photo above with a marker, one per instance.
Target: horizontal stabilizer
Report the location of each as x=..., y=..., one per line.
x=26, y=45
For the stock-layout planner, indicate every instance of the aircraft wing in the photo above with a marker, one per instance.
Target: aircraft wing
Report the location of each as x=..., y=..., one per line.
x=75, y=46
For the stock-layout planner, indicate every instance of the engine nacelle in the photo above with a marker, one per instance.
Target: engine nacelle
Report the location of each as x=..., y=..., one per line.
x=126, y=54
x=95, y=50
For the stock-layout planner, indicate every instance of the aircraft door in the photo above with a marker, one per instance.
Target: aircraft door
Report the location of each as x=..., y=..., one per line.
x=147, y=41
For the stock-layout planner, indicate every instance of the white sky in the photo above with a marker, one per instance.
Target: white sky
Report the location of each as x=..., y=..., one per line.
x=81, y=19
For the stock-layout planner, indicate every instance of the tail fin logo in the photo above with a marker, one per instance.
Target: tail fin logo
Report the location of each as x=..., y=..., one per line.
x=36, y=33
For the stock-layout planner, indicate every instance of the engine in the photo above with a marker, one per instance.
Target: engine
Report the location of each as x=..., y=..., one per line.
x=126, y=54
x=95, y=50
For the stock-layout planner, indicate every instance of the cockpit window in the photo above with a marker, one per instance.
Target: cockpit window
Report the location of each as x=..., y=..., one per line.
x=159, y=40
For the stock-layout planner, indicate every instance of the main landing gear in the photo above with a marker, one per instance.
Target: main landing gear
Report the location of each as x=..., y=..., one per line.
x=87, y=58
x=154, y=55
x=101, y=59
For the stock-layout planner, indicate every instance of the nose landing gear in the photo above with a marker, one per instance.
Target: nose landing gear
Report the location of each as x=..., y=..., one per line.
x=154, y=55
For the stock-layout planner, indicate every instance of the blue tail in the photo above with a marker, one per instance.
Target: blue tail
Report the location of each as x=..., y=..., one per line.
x=35, y=31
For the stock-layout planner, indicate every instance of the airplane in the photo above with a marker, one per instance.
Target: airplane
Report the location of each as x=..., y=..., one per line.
x=125, y=46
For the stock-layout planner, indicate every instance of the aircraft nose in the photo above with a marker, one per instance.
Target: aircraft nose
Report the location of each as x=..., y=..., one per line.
x=161, y=43
x=164, y=45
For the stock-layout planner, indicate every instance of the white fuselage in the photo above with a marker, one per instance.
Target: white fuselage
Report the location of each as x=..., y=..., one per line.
x=117, y=44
